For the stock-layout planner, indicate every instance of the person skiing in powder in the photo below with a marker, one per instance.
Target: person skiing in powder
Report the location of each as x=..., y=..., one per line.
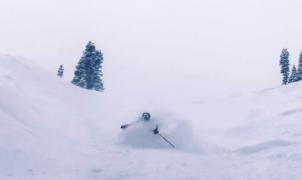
x=145, y=117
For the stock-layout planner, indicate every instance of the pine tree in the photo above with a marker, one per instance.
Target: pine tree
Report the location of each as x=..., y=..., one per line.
x=299, y=71
x=293, y=76
x=60, y=71
x=88, y=72
x=97, y=72
x=284, y=63
x=80, y=74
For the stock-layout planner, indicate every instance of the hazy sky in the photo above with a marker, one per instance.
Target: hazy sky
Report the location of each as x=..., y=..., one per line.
x=200, y=46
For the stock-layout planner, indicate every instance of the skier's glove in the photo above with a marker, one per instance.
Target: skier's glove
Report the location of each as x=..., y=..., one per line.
x=123, y=126
x=155, y=131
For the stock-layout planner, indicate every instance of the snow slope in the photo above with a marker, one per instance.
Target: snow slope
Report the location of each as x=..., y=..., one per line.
x=50, y=129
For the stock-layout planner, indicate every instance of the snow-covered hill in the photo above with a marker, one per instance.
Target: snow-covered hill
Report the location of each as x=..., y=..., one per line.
x=50, y=129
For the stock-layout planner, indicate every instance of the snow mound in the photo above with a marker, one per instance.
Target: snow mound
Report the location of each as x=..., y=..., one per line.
x=39, y=120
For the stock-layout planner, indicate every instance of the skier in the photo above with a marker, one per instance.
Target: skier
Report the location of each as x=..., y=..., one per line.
x=145, y=117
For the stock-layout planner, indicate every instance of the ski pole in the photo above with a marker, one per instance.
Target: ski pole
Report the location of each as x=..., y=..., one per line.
x=166, y=140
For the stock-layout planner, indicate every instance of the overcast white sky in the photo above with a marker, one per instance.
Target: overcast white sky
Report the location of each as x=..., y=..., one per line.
x=200, y=46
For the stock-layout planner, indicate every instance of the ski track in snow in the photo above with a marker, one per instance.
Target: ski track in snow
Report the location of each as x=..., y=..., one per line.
x=50, y=130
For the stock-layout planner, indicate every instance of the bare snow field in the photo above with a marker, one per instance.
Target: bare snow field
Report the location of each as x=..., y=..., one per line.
x=52, y=130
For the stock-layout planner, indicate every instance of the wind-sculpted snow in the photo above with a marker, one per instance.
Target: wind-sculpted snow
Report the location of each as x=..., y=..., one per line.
x=291, y=112
x=264, y=146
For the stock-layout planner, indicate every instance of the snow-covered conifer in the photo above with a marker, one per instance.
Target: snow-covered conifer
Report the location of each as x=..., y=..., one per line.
x=299, y=70
x=88, y=72
x=293, y=76
x=284, y=63
x=60, y=71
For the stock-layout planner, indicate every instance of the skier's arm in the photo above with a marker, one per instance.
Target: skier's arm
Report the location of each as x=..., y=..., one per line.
x=155, y=131
x=130, y=124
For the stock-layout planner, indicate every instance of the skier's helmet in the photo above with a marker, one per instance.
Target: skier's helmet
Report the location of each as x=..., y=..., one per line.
x=146, y=116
